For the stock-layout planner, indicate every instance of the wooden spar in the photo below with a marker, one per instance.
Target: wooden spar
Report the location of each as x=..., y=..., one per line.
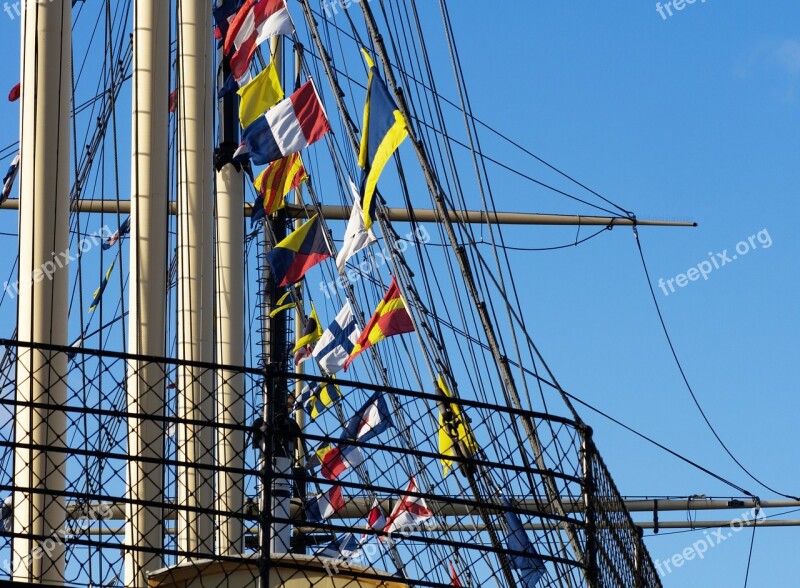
x=424, y=215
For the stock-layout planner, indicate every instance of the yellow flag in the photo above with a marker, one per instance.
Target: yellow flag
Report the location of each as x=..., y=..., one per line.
x=453, y=429
x=312, y=332
x=261, y=94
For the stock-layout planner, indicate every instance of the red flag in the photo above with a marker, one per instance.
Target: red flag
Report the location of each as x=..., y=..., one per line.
x=454, y=581
x=15, y=92
x=173, y=101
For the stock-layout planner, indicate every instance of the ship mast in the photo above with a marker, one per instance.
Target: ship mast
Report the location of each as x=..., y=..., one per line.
x=195, y=477
x=148, y=267
x=230, y=304
x=39, y=455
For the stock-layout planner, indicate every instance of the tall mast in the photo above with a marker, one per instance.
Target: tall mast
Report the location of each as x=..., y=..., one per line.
x=278, y=459
x=195, y=477
x=39, y=456
x=147, y=318
x=229, y=311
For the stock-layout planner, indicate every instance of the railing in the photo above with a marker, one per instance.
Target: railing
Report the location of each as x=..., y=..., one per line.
x=93, y=528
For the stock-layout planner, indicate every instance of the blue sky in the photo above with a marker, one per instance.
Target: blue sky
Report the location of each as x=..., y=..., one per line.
x=692, y=117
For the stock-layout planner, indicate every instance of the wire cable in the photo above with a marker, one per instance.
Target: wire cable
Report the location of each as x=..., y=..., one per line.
x=686, y=379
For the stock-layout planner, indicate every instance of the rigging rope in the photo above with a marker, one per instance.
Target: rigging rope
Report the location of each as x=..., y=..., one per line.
x=686, y=379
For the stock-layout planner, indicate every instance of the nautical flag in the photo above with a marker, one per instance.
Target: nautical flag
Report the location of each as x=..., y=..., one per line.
x=454, y=581
x=254, y=23
x=531, y=568
x=372, y=420
x=383, y=130
x=15, y=92
x=8, y=180
x=311, y=334
x=262, y=93
x=318, y=455
x=316, y=397
x=123, y=230
x=324, y=506
x=376, y=520
x=223, y=15
x=285, y=302
x=275, y=182
x=356, y=237
x=98, y=294
x=77, y=344
x=289, y=127
x=299, y=252
x=338, y=341
x=390, y=318
x=409, y=510
x=343, y=547
x=338, y=459
x=455, y=435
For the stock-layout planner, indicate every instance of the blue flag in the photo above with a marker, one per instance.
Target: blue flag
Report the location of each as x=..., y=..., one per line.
x=531, y=568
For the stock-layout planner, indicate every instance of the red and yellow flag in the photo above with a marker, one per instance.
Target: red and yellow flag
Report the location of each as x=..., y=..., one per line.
x=390, y=318
x=280, y=178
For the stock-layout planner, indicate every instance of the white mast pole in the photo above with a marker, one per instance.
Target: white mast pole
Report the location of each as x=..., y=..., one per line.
x=43, y=230
x=195, y=478
x=230, y=312
x=39, y=475
x=147, y=319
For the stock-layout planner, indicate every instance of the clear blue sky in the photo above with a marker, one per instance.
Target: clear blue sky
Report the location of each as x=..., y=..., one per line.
x=692, y=117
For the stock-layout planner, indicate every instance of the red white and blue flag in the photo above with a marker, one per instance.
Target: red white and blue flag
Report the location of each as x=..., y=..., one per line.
x=255, y=22
x=324, y=506
x=409, y=510
x=372, y=420
x=339, y=459
x=123, y=230
x=376, y=520
x=288, y=127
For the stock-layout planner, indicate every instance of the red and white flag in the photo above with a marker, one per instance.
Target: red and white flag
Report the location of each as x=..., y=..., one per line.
x=376, y=521
x=256, y=21
x=339, y=459
x=409, y=510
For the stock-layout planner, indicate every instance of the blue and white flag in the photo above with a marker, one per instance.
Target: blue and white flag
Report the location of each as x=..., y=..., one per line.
x=8, y=180
x=372, y=420
x=336, y=344
x=343, y=547
x=324, y=506
x=531, y=568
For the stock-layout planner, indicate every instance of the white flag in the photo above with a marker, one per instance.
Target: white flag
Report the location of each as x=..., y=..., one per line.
x=356, y=237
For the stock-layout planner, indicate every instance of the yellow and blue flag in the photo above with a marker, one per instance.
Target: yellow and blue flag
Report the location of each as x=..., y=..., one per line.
x=316, y=397
x=98, y=294
x=299, y=252
x=383, y=130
